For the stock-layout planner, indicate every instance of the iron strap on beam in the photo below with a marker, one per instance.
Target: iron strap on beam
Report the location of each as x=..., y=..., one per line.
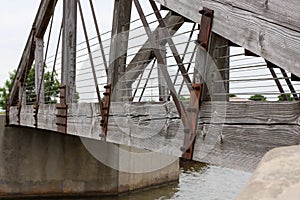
x=198, y=88
x=62, y=111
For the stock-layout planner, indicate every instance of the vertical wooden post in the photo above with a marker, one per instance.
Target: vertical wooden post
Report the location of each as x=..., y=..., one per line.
x=162, y=84
x=39, y=65
x=219, y=50
x=22, y=94
x=118, y=48
x=68, y=76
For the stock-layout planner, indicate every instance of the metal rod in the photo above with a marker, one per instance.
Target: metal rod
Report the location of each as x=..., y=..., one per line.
x=91, y=58
x=56, y=52
x=185, y=50
x=147, y=81
x=99, y=37
x=188, y=68
x=179, y=105
x=281, y=90
x=44, y=64
x=290, y=85
x=171, y=44
x=137, y=86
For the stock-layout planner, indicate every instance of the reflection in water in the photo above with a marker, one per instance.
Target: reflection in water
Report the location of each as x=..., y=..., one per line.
x=197, y=181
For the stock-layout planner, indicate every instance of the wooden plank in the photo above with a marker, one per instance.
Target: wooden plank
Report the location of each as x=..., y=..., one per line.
x=248, y=132
x=118, y=48
x=162, y=84
x=69, y=39
x=244, y=146
x=236, y=113
x=258, y=32
x=41, y=21
x=276, y=11
x=233, y=113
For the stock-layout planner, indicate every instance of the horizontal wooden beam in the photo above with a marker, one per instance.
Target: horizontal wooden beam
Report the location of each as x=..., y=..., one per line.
x=250, y=129
x=270, y=29
x=40, y=24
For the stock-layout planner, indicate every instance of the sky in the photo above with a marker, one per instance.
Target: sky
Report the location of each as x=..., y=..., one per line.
x=16, y=19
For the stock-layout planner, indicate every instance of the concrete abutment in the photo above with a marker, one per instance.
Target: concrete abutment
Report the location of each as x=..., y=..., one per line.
x=43, y=163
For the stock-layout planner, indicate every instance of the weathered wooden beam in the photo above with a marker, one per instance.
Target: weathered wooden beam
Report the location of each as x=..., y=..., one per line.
x=69, y=39
x=269, y=29
x=219, y=50
x=41, y=22
x=249, y=130
x=145, y=55
x=45, y=12
x=39, y=65
x=118, y=48
x=162, y=84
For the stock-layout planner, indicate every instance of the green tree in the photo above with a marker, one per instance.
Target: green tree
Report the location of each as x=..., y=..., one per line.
x=4, y=91
x=258, y=97
x=51, y=88
x=232, y=95
x=289, y=98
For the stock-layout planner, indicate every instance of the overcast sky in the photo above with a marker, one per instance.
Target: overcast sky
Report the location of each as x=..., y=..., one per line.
x=16, y=19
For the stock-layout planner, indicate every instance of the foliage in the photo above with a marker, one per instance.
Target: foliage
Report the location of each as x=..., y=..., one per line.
x=51, y=88
x=232, y=95
x=289, y=98
x=183, y=98
x=258, y=97
x=4, y=91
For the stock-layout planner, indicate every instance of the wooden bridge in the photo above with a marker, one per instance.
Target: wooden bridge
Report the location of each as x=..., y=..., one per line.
x=162, y=81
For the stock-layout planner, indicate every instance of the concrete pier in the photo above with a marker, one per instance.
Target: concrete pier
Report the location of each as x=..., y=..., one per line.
x=277, y=176
x=43, y=163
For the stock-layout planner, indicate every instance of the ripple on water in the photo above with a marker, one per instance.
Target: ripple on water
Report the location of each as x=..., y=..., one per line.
x=197, y=182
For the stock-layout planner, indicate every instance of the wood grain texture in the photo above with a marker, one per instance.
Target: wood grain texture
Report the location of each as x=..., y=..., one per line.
x=119, y=46
x=273, y=38
x=69, y=42
x=250, y=129
x=39, y=68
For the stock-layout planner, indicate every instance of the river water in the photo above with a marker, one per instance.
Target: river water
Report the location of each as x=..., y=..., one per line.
x=197, y=182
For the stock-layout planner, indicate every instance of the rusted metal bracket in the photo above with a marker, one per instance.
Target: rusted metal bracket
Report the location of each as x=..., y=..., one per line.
x=196, y=94
x=35, y=112
x=62, y=111
x=105, y=109
x=205, y=27
x=193, y=112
